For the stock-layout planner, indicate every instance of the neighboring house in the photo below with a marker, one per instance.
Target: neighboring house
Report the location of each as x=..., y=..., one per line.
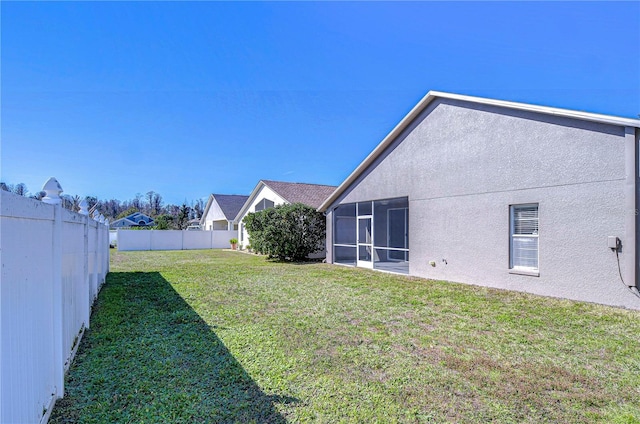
x=268, y=194
x=136, y=219
x=194, y=224
x=220, y=211
x=497, y=194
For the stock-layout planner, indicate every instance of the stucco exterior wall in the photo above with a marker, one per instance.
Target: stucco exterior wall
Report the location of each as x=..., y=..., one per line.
x=462, y=164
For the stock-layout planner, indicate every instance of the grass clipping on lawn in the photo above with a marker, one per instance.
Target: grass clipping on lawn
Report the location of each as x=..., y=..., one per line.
x=215, y=336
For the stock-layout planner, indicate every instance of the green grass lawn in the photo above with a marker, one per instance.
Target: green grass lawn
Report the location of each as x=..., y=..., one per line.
x=219, y=336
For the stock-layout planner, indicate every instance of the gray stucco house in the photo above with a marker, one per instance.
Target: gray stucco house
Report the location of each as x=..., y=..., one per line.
x=498, y=194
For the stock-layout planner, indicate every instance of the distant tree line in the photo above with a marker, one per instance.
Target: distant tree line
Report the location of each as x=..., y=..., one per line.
x=166, y=217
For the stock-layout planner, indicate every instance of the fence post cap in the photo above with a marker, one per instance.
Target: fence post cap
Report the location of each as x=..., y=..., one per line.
x=101, y=219
x=52, y=189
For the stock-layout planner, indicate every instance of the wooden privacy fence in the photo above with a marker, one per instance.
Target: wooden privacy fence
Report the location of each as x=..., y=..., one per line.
x=54, y=262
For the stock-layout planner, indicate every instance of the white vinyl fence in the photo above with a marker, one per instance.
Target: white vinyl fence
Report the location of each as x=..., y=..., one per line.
x=53, y=264
x=173, y=239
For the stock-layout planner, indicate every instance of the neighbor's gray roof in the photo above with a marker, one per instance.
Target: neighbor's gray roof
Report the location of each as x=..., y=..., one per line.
x=310, y=194
x=230, y=203
x=133, y=220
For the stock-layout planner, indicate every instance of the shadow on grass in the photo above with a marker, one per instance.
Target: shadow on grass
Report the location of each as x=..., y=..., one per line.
x=149, y=357
x=296, y=262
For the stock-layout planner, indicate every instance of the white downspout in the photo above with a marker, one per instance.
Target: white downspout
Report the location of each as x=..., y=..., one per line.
x=631, y=208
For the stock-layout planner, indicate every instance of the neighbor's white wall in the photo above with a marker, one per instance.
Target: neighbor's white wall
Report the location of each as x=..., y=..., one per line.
x=47, y=286
x=214, y=216
x=264, y=193
x=173, y=239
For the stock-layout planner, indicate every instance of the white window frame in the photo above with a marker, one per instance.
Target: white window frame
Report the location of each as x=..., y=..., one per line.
x=519, y=269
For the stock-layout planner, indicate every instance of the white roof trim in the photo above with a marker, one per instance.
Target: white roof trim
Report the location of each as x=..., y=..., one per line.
x=246, y=205
x=432, y=95
x=252, y=196
x=206, y=209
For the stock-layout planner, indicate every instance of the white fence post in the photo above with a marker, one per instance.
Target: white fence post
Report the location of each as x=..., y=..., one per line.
x=84, y=210
x=53, y=189
x=108, y=267
x=96, y=261
x=103, y=265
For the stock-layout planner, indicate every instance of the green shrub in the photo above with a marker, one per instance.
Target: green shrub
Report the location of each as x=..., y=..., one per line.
x=164, y=222
x=286, y=232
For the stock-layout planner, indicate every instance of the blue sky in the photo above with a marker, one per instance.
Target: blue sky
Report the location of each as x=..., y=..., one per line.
x=119, y=98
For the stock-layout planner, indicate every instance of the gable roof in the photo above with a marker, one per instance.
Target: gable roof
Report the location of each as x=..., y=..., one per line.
x=310, y=194
x=133, y=220
x=433, y=95
x=230, y=204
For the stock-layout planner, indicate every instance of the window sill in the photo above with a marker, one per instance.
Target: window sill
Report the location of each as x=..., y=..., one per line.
x=525, y=272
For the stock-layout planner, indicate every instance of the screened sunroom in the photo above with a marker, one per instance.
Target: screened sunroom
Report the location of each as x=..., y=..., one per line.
x=373, y=234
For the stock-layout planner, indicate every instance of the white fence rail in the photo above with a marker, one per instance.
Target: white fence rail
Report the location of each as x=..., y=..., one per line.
x=173, y=239
x=53, y=264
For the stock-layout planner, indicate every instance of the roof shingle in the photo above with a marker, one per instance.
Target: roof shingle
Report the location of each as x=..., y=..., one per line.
x=230, y=203
x=310, y=194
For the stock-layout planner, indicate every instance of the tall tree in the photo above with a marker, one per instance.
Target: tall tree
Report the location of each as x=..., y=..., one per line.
x=156, y=203
x=75, y=206
x=136, y=202
x=21, y=189
x=198, y=208
x=91, y=201
x=149, y=204
x=67, y=202
x=112, y=208
x=183, y=216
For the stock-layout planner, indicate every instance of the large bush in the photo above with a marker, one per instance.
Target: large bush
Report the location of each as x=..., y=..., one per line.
x=286, y=232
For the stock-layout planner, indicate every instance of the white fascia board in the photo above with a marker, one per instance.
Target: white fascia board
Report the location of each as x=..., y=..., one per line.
x=378, y=150
x=248, y=202
x=206, y=209
x=284, y=201
x=568, y=113
x=432, y=95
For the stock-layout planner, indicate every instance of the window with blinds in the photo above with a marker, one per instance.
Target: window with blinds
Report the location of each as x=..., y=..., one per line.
x=264, y=204
x=524, y=237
